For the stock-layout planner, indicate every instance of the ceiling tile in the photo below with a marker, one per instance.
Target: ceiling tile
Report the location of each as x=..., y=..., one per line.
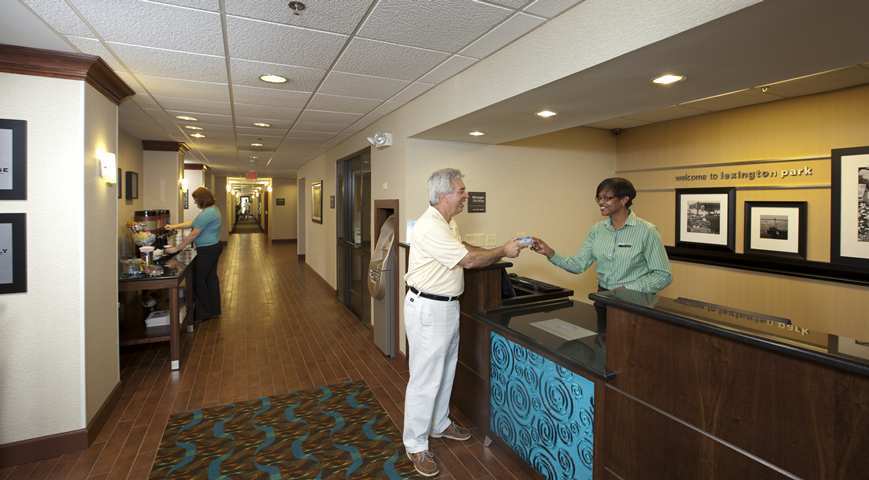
x=301, y=79
x=278, y=123
x=550, y=8
x=305, y=136
x=212, y=5
x=749, y=96
x=322, y=127
x=516, y=4
x=270, y=42
x=61, y=18
x=144, y=131
x=202, y=117
x=145, y=101
x=133, y=83
x=154, y=25
x=194, y=105
x=211, y=129
x=264, y=112
x=171, y=64
x=332, y=118
x=412, y=91
x=363, y=86
x=170, y=87
x=446, y=25
x=330, y=15
x=269, y=97
x=92, y=46
x=452, y=66
x=515, y=27
x=371, y=57
x=334, y=103
x=271, y=132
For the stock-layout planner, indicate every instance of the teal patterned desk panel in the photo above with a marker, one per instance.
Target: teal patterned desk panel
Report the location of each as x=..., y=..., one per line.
x=543, y=411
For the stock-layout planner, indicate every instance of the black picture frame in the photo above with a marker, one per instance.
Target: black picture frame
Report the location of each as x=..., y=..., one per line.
x=776, y=238
x=722, y=230
x=132, y=187
x=317, y=202
x=13, y=253
x=280, y=201
x=118, y=182
x=13, y=159
x=849, y=215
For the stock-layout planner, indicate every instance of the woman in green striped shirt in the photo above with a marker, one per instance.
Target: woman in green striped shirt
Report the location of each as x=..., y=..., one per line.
x=627, y=249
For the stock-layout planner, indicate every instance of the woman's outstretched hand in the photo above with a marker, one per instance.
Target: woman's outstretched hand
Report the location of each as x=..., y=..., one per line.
x=542, y=247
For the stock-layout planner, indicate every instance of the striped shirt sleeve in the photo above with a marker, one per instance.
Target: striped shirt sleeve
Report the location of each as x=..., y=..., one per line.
x=658, y=275
x=579, y=262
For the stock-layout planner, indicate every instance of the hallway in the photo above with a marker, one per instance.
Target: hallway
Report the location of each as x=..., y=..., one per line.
x=282, y=329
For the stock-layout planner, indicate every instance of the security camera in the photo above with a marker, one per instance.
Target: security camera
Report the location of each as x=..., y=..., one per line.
x=381, y=139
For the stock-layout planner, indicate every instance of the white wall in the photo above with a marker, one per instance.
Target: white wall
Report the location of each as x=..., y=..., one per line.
x=195, y=179
x=102, y=370
x=284, y=217
x=41, y=346
x=129, y=159
x=320, y=244
x=158, y=184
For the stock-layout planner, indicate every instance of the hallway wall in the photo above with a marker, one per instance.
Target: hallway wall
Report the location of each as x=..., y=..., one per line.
x=129, y=159
x=195, y=179
x=284, y=217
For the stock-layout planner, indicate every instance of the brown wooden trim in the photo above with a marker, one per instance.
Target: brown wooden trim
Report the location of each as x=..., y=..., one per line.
x=163, y=145
x=73, y=66
x=102, y=415
x=33, y=449
x=283, y=240
x=195, y=166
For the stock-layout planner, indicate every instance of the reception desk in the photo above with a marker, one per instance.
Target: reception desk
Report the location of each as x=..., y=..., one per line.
x=664, y=388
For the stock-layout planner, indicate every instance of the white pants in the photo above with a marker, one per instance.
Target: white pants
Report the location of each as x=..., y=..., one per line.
x=433, y=339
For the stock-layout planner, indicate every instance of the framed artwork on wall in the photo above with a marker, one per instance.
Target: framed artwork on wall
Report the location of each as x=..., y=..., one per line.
x=132, y=185
x=13, y=159
x=118, y=182
x=317, y=202
x=849, y=236
x=705, y=218
x=13, y=252
x=776, y=228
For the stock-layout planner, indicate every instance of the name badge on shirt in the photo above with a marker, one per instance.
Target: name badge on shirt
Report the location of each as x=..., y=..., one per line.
x=625, y=245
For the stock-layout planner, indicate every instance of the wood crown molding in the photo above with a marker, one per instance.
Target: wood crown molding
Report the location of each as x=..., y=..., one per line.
x=195, y=166
x=73, y=66
x=164, y=145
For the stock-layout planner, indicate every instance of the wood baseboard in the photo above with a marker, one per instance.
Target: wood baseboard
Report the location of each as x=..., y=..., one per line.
x=283, y=240
x=48, y=446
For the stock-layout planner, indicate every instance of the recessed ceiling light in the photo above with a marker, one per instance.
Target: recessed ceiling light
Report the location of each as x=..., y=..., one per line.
x=256, y=144
x=668, y=79
x=269, y=78
x=546, y=113
x=262, y=124
x=253, y=157
x=187, y=118
x=192, y=127
x=476, y=133
x=197, y=135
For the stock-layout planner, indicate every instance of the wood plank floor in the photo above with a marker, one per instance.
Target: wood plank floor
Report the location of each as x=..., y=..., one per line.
x=282, y=329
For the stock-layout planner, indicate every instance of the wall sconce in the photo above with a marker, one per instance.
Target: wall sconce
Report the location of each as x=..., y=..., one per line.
x=108, y=167
x=269, y=189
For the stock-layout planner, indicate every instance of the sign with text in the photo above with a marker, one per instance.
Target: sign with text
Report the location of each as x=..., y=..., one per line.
x=250, y=175
x=5, y=159
x=778, y=174
x=13, y=253
x=476, y=202
x=6, y=253
x=280, y=201
x=13, y=158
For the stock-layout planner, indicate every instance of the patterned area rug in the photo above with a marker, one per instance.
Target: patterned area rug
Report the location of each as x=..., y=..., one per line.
x=339, y=431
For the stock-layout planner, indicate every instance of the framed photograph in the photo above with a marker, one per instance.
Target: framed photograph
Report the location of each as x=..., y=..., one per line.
x=776, y=228
x=705, y=218
x=317, y=202
x=13, y=252
x=280, y=201
x=118, y=182
x=132, y=187
x=850, y=207
x=13, y=159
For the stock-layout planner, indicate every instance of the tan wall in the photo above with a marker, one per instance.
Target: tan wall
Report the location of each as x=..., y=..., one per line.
x=320, y=241
x=804, y=127
x=284, y=218
x=41, y=331
x=195, y=179
x=158, y=183
x=129, y=159
x=226, y=210
x=102, y=370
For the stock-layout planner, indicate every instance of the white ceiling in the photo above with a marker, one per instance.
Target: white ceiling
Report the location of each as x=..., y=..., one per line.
x=349, y=63
x=772, y=50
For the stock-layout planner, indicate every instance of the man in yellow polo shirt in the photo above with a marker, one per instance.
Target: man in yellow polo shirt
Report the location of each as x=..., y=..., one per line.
x=435, y=277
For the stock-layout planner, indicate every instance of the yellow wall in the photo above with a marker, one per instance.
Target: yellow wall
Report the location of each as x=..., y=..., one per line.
x=805, y=127
x=129, y=159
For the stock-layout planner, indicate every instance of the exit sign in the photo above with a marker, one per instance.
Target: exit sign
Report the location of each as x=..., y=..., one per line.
x=251, y=175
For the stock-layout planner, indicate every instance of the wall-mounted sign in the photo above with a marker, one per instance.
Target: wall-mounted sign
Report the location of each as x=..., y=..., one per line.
x=332, y=201
x=13, y=160
x=850, y=207
x=250, y=175
x=476, y=202
x=13, y=254
x=280, y=202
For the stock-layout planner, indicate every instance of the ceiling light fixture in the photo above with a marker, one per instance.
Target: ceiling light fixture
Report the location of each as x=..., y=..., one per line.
x=668, y=79
x=257, y=145
x=197, y=135
x=546, y=113
x=270, y=78
x=297, y=7
x=192, y=127
x=476, y=133
x=187, y=118
x=262, y=124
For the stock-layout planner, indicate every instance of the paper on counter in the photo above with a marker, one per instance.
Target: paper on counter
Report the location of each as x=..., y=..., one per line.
x=562, y=329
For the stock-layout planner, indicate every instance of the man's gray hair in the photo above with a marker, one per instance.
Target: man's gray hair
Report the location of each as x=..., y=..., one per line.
x=441, y=183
